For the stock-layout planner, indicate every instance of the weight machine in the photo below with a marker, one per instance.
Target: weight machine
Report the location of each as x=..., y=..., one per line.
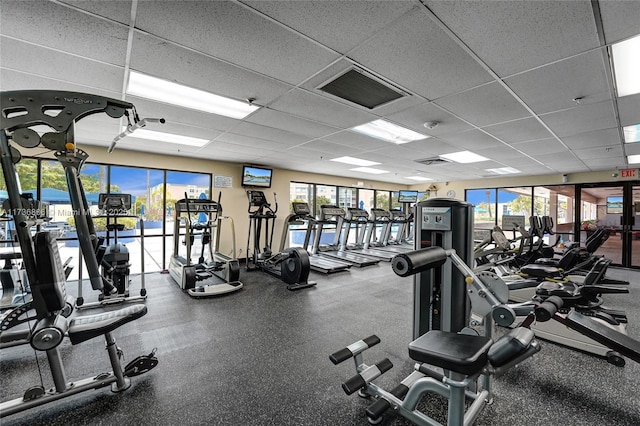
x=60, y=111
x=292, y=265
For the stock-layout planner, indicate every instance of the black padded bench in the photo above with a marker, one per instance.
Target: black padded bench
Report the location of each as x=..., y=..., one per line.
x=468, y=354
x=89, y=326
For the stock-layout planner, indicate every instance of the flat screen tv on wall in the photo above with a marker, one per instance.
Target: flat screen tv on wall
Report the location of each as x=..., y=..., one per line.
x=407, y=196
x=256, y=176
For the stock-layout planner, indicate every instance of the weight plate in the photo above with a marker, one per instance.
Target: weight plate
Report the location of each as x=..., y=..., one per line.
x=25, y=137
x=53, y=141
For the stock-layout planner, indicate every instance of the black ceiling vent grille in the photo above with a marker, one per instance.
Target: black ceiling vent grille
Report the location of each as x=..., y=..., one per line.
x=432, y=161
x=356, y=87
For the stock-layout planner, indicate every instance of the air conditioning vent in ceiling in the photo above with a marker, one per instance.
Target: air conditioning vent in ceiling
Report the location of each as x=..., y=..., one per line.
x=359, y=88
x=432, y=161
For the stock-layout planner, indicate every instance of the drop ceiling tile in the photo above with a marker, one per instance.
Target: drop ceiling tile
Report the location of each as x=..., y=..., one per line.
x=629, y=109
x=338, y=25
x=597, y=138
x=314, y=107
x=619, y=19
x=553, y=87
x=526, y=129
x=544, y=146
x=269, y=133
x=515, y=36
x=471, y=140
x=58, y=27
x=581, y=119
x=416, y=117
x=605, y=163
x=558, y=161
x=272, y=118
x=249, y=142
x=632, y=148
x=14, y=80
x=429, y=147
x=29, y=58
x=327, y=150
x=160, y=59
x=601, y=152
x=484, y=105
x=233, y=33
x=117, y=10
x=356, y=140
x=502, y=154
x=432, y=69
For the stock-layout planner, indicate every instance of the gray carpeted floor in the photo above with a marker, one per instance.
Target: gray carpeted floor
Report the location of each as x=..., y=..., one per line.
x=260, y=357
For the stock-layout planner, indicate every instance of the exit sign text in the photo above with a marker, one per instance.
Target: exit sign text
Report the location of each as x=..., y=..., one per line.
x=629, y=173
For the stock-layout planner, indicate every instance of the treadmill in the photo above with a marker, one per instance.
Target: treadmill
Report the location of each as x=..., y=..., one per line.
x=334, y=215
x=363, y=227
x=387, y=218
x=302, y=213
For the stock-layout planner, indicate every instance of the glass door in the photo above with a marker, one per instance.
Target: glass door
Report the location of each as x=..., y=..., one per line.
x=613, y=209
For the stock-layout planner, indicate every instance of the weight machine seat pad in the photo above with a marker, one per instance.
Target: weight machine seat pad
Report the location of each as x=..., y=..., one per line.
x=89, y=326
x=510, y=345
x=604, y=334
x=540, y=270
x=523, y=283
x=462, y=353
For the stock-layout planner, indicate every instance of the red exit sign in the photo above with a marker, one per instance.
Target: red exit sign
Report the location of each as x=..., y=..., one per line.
x=629, y=173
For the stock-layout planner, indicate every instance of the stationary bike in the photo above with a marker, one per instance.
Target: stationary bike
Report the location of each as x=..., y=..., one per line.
x=292, y=265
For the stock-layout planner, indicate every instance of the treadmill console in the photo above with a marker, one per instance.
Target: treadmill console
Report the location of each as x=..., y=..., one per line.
x=328, y=211
x=380, y=215
x=197, y=205
x=301, y=209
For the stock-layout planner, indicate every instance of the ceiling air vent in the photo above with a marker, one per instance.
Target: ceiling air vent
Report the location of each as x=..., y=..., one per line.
x=432, y=161
x=354, y=86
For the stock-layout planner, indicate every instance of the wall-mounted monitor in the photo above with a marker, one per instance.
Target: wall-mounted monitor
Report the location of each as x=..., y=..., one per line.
x=256, y=176
x=614, y=205
x=407, y=196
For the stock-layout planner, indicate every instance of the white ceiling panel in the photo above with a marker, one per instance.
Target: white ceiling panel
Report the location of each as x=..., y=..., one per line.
x=599, y=152
x=116, y=10
x=13, y=80
x=339, y=25
x=606, y=137
x=256, y=144
x=419, y=56
x=629, y=109
x=356, y=140
x=416, y=117
x=153, y=56
x=429, y=147
x=269, y=133
x=269, y=117
x=620, y=19
x=502, y=153
x=52, y=64
x=484, y=105
x=471, y=140
x=317, y=108
x=231, y=32
x=526, y=129
x=525, y=31
x=328, y=150
x=554, y=87
x=55, y=26
x=544, y=146
x=582, y=118
x=605, y=163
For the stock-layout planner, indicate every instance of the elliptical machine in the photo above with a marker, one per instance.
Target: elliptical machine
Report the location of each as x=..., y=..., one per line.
x=292, y=265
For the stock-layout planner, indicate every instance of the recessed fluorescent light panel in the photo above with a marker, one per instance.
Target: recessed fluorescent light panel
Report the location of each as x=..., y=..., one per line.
x=369, y=170
x=355, y=161
x=161, y=90
x=504, y=171
x=389, y=132
x=633, y=159
x=464, y=157
x=626, y=64
x=418, y=178
x=168, y=137
x=631, y=133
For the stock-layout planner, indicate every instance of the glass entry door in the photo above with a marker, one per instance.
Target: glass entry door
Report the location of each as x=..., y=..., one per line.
x=614, y=209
